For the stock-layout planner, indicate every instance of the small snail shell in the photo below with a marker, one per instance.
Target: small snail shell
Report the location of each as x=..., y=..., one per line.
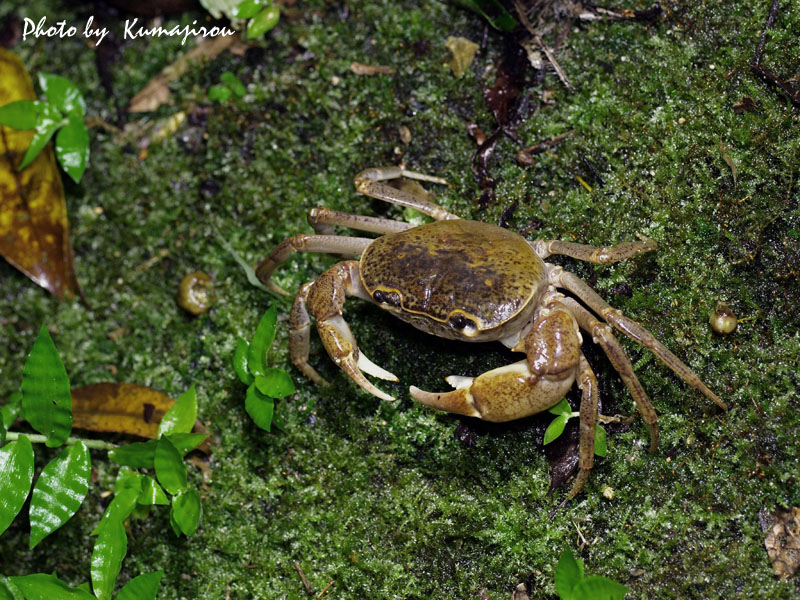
x=195, y=294
x=722, y=319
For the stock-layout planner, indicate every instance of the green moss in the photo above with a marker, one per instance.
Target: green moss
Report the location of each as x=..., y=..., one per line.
x=380, y=497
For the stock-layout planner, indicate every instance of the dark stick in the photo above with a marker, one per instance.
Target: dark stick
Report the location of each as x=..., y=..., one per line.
x=767, y=26
x=309, y=590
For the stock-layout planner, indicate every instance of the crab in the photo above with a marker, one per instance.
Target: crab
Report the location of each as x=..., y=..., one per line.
x=474, y=282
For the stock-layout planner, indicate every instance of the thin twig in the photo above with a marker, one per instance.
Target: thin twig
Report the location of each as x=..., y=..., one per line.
x=773, y=11
x=325, y=589
x=36, y=438
x=309, y=590
x=766, y=73
x=548, y=52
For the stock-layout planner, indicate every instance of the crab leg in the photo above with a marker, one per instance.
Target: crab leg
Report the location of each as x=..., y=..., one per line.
x=300, y=335
x=304, y=242
x=325, y=298
x=323, y=219
x=566, y=280
x=370, y=183
x=602, y=335
x=600, y=255
x=587, y=382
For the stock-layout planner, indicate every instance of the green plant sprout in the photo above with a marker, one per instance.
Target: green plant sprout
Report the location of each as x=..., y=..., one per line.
x=265, y=384
x=557, y=425
x=231, y=86
x=263, y=15
x=46, y=404
x=63, y=113
x=572, y=585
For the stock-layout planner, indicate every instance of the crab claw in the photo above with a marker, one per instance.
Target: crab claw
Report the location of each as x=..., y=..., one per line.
x=342, y=348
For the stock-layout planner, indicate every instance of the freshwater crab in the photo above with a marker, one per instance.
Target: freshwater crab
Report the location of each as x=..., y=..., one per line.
x=470, y=281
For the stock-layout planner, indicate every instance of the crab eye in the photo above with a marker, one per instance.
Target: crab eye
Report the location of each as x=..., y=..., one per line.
x=391, y=298
x=461, y=322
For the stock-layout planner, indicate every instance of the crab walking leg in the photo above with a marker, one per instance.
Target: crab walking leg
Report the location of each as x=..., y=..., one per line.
x=323, y=219
x=587, y=382
x=326, y=298
x=300, y=335
x=569, y=281
x=304, y=242
x=370, y=183
x=600, y=255
x=602, y=335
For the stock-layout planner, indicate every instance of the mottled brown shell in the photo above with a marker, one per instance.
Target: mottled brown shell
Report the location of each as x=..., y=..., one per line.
x=456, y=279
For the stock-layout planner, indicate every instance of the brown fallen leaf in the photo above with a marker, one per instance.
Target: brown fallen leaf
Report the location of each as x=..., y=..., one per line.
x=362, y=69
x=121, y=408
x=729, y=162
x=34, y=231
x=156, y=92
x=783, y=542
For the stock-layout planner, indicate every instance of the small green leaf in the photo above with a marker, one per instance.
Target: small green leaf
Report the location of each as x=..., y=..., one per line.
x=170, y=470
x=9, y=413
x=598, y=588
x=555, y=429
x=600, y=448
x=72, y=147
x=219, y=93
x=263, y=22
x=138, y=455
x=20, y=114
x=174, y=524
x=259, y=407
x=181, y=415
x=9, y=591
x=569, y=572
x=186, y=510
x=562, y=408
x=63, y=94
x=152, y=493
x=275, y=383
x=120, y=507
x=240, y=361
x=47, y=122
x=186, y=442
x=234, y=83
x=46, y=396
x=246, y=9
x=262, y=341
x=109, y=550
x=16, y=476
x=59, y=491
x=141, y=587
x=40, y=586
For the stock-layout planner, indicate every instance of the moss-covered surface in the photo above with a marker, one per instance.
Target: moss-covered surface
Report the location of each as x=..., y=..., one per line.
x=383, y=499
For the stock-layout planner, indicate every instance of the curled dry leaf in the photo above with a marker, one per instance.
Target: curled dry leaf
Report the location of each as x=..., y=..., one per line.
x=120, y=408
x=783, y=542
x=34, y=231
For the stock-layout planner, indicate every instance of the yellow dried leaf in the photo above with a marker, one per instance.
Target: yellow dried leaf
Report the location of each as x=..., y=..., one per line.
x=463, y=51
x=120, y=408
x=34, y=231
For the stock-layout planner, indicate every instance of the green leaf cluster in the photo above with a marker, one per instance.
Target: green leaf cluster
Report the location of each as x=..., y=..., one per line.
x=563, y=412
x=263, y=15
x=62, y=113
x=572, y=585
x=46, y=404
x=231, y=86
x=265, y=384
